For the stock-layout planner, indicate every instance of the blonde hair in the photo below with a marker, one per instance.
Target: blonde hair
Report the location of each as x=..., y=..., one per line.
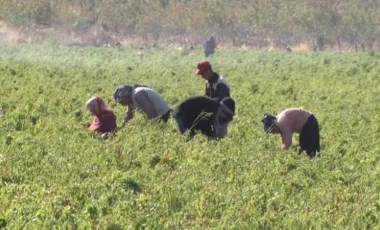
x=96, y=105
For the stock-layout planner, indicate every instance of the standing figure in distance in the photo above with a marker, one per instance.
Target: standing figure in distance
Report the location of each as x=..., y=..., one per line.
x=141, y=98
x=216, y=86
x=296, y=120
x=209, y=46
x=201, y=113
x=104, y=120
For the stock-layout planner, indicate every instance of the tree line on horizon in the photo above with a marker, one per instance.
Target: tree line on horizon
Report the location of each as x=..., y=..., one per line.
x=260, y=23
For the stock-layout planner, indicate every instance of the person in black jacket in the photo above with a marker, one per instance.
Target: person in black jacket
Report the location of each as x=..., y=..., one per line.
x=209, y=46
x=216, y=86
x=201, y=113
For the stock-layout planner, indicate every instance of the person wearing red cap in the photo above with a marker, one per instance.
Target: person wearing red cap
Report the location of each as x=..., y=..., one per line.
x=216, y=86
x=295, y=120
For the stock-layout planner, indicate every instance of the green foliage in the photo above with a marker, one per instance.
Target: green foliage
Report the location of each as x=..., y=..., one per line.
x=55, y=174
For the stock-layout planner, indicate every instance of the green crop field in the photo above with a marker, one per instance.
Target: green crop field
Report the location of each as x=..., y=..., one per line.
x=56, y=175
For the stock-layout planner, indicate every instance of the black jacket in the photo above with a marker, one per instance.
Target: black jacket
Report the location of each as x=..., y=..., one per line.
x=217, y=87
x=198, y=113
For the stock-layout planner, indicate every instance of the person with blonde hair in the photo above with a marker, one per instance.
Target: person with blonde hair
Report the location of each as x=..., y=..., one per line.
x=104, y=119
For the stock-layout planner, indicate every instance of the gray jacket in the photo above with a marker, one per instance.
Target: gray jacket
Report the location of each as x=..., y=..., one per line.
x=148, y=101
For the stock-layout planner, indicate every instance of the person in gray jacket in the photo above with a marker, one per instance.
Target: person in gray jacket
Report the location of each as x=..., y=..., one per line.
x=141, y=98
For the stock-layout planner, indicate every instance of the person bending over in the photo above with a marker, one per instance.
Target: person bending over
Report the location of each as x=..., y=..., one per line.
x=104, y=119
x=201, y=113
x=295, y=120
x=141, y=98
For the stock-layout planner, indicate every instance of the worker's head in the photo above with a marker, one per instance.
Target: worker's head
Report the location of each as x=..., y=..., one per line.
x=269, y=122
x=204, y=69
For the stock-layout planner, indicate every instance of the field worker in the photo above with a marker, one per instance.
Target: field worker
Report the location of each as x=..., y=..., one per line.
x=296, y=120
x=209, y=46
x=216, y=86
x=141, y=98
x=104, y=120
x=201, y=113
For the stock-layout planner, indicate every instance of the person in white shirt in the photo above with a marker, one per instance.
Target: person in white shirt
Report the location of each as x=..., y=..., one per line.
x=295, y=120
x=141, y=98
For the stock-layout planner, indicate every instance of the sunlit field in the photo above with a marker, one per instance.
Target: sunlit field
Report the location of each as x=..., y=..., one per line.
x=55, y=174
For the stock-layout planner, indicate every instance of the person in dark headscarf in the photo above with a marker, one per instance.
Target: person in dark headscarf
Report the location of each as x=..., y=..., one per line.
x=201, y=113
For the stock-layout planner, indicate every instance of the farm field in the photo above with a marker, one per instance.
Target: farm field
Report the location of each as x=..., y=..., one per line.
x=55, y=174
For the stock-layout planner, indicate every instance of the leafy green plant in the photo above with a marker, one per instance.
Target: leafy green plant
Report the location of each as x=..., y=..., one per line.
x=55, y=174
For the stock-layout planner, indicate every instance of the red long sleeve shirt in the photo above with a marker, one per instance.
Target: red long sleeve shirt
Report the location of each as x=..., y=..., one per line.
x=105, y=122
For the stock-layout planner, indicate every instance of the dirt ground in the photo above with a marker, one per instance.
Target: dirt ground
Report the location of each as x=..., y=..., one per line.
x=8, y=33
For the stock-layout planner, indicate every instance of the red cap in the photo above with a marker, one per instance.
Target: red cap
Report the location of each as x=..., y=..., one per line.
x=202, y=67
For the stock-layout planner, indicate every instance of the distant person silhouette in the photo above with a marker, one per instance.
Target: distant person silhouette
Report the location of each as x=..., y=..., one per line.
x=209, y=46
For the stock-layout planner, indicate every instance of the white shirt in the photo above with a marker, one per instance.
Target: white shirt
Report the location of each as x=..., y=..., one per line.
x=147, y=100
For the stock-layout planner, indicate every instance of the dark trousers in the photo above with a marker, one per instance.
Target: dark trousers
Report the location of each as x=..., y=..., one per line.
x=166, y=116
x=203, y=125
x=309, y=137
